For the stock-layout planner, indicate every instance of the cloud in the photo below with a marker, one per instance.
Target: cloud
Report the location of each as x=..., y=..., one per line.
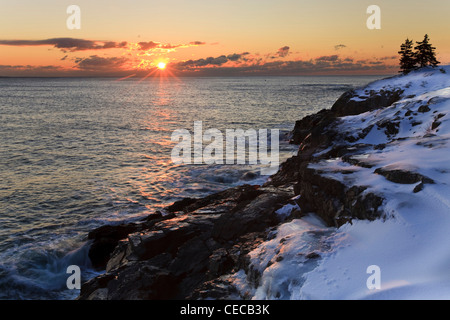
x=30, y=70
x=67, y=44
x=210, y=61
x=283, y=52
x=235, y=56
x=29, y=67
x=247, y=64
x=331, y=58
x=147, y=45
x=100, y=63
x=388, y=58
x=197, y=43
x=339, y=46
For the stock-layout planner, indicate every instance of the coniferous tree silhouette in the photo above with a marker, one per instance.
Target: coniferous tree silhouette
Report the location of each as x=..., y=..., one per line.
x=407, y=57
x=425, y=53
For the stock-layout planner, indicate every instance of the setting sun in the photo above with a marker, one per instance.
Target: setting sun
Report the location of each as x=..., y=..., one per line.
x=161, y=66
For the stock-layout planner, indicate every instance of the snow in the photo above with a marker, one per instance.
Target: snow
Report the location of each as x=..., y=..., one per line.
x=410, y=244
x=286, y=211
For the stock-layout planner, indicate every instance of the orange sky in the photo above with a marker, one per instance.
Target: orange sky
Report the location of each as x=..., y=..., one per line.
x=214, y=37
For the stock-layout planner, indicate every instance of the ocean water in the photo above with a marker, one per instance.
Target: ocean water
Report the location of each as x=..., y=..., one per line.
x=79, y=153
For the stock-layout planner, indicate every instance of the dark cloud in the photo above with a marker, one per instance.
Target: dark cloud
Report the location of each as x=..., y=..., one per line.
x=29, y=67
x=100, y=63
x=331, y=58
x=251, y=65
x=388, y=58
x=283, y=52
x=210, y=61
x=234, y=57
x=339, y=46
x=197, y=43
x=147, y=45
x=67, y=44
x=30, y=70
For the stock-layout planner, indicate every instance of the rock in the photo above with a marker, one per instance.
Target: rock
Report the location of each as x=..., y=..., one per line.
x=402, y=176
x=256, y=216
x=345, y=106
x=424, y=109
x=435, y=125
x=217, y=289
x=142, y=281
x=105, y=238
x=181, y=205
x=100, y=251
x=419, y=187
x=249, y=176
x=220, y=262
x=313, y=255
x=184, y=249
x=391, y=127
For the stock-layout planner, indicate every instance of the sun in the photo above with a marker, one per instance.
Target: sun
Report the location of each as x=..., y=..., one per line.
x=162, y=65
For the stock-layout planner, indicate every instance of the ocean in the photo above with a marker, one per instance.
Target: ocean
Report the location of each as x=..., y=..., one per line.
x=80, y=153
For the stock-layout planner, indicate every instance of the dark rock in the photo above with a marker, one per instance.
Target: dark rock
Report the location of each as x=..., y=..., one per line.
x=217, y=289
x=116, y=232
x=249, y=176
x=142, y=281
x=312, y=125
x=345, y=106
x=313, y=255
x=181, y=204
x=419, y=187
x=257, y=216
x=424, y=109
x=105, y=240
x=100, y=251
x=402, y=176
x=435, y=125
x=220, y=262
x=391, y=128
x=335, y=203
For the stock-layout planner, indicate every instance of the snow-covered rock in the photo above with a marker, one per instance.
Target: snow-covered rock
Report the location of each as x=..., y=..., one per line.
x=401, y=153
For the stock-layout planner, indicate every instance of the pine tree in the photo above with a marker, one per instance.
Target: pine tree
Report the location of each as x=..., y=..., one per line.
x=425, y=54
x=407, y=57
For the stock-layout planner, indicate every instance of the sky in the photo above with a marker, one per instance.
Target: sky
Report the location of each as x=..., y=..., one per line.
x=214, y=37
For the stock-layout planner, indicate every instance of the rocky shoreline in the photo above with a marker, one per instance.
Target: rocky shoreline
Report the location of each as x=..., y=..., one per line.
x=186, y=250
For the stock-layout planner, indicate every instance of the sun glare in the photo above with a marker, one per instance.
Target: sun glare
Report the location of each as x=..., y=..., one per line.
x=161, y=66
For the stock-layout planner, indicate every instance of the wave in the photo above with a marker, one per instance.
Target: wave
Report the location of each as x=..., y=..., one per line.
x=41, y=273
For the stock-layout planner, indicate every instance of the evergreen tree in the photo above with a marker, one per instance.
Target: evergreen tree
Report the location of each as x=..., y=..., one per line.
x=407, y=57
x=425, y=54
